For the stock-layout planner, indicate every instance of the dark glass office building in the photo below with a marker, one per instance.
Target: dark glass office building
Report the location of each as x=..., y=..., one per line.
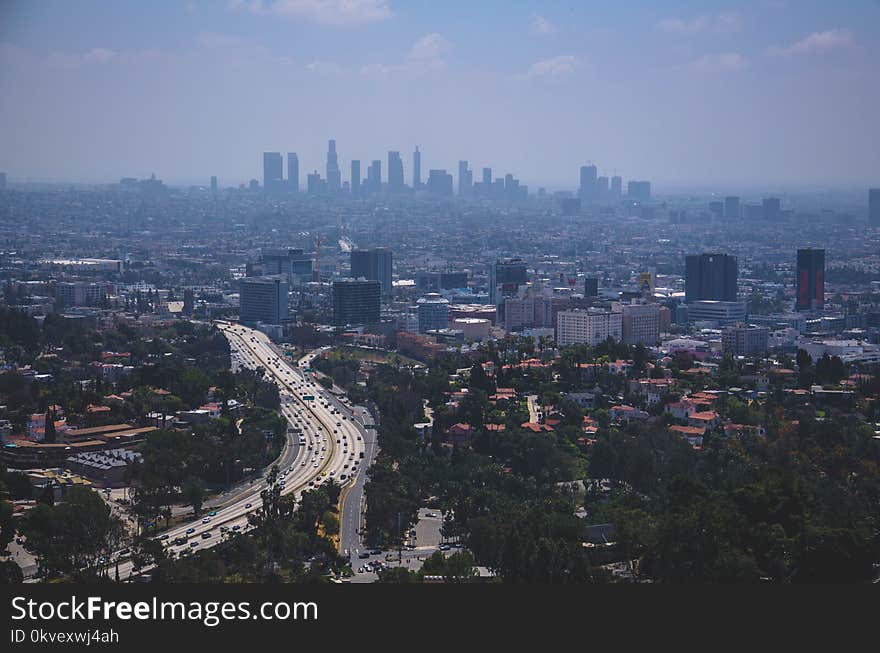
x=810, y=280
x=710, y=277
x=373, y=265
x=356, y=301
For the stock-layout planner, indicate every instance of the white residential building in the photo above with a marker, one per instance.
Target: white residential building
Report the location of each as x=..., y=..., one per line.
x=589, y=326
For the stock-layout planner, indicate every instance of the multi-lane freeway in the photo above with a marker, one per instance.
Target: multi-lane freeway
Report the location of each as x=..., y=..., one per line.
x=324, y=441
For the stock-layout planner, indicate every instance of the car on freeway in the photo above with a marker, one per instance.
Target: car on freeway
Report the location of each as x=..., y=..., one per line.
x=236, y=527
x=206, y=535
x=247, y=505
x=190, y=530
x=193, y=545
x=164, y=537
x=206, y=520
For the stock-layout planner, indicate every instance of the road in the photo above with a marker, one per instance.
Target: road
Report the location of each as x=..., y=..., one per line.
x=323, y=442
x=351, y=513
x=535, y=415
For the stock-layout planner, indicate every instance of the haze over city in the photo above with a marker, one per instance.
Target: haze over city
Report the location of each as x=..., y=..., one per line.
x=710, y=95
x=542, y=294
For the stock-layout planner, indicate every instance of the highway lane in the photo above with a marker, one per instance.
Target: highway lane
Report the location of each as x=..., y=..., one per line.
x=352, y=505
x=328, y=449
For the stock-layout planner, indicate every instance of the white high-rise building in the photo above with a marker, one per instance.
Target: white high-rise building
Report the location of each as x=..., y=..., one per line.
x=588, y=326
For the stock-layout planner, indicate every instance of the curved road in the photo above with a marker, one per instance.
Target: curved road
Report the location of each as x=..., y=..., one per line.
x=323, y=442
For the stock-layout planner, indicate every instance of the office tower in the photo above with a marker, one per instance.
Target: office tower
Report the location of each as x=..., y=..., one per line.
x=213, y=185
x=716, y=209
x=731, y=208
x=395, y=172
x=417, y=169
x=487, y=180
x=639, y=190
x=587, y=326
x=874, y=207
x=641, y=324
x=287, y=263
x=334, y=177
x=771, y=208
x=272, y=171
x=262, y=299
x=591, y=287
x=433, y=312
x=744, y=340
x=355, y=177
x=439, y=183
x=505, y=276
x=810, y=280
x=80, y=293
x=710, y=277
x=587, y=189
x=373, y=265
x=601, y=187
x=465, y=179
x=292, y=172
x=616, y=186
x=189, y=302
x=356, y=301
x=374, y=177
x=314, y=184
x=452, y=280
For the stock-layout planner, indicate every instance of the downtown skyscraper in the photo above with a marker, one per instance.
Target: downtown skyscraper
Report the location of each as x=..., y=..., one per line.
x=417, y=169
x=292, y=172
x=334, y=177
x=273, y=171
x=395, y=173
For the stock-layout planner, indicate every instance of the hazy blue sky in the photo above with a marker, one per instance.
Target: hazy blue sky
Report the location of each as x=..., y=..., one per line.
x=768, y=92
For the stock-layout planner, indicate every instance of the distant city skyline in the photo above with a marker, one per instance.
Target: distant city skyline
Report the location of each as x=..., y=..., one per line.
x=726, y=95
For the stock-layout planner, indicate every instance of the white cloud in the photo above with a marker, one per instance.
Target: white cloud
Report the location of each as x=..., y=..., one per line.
x=542, y=26
x=726, y=22
x=432, y=46
x=815, y=43
x=554, y=67
x=323, y=12
x=424, y=56
x=722, y=62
